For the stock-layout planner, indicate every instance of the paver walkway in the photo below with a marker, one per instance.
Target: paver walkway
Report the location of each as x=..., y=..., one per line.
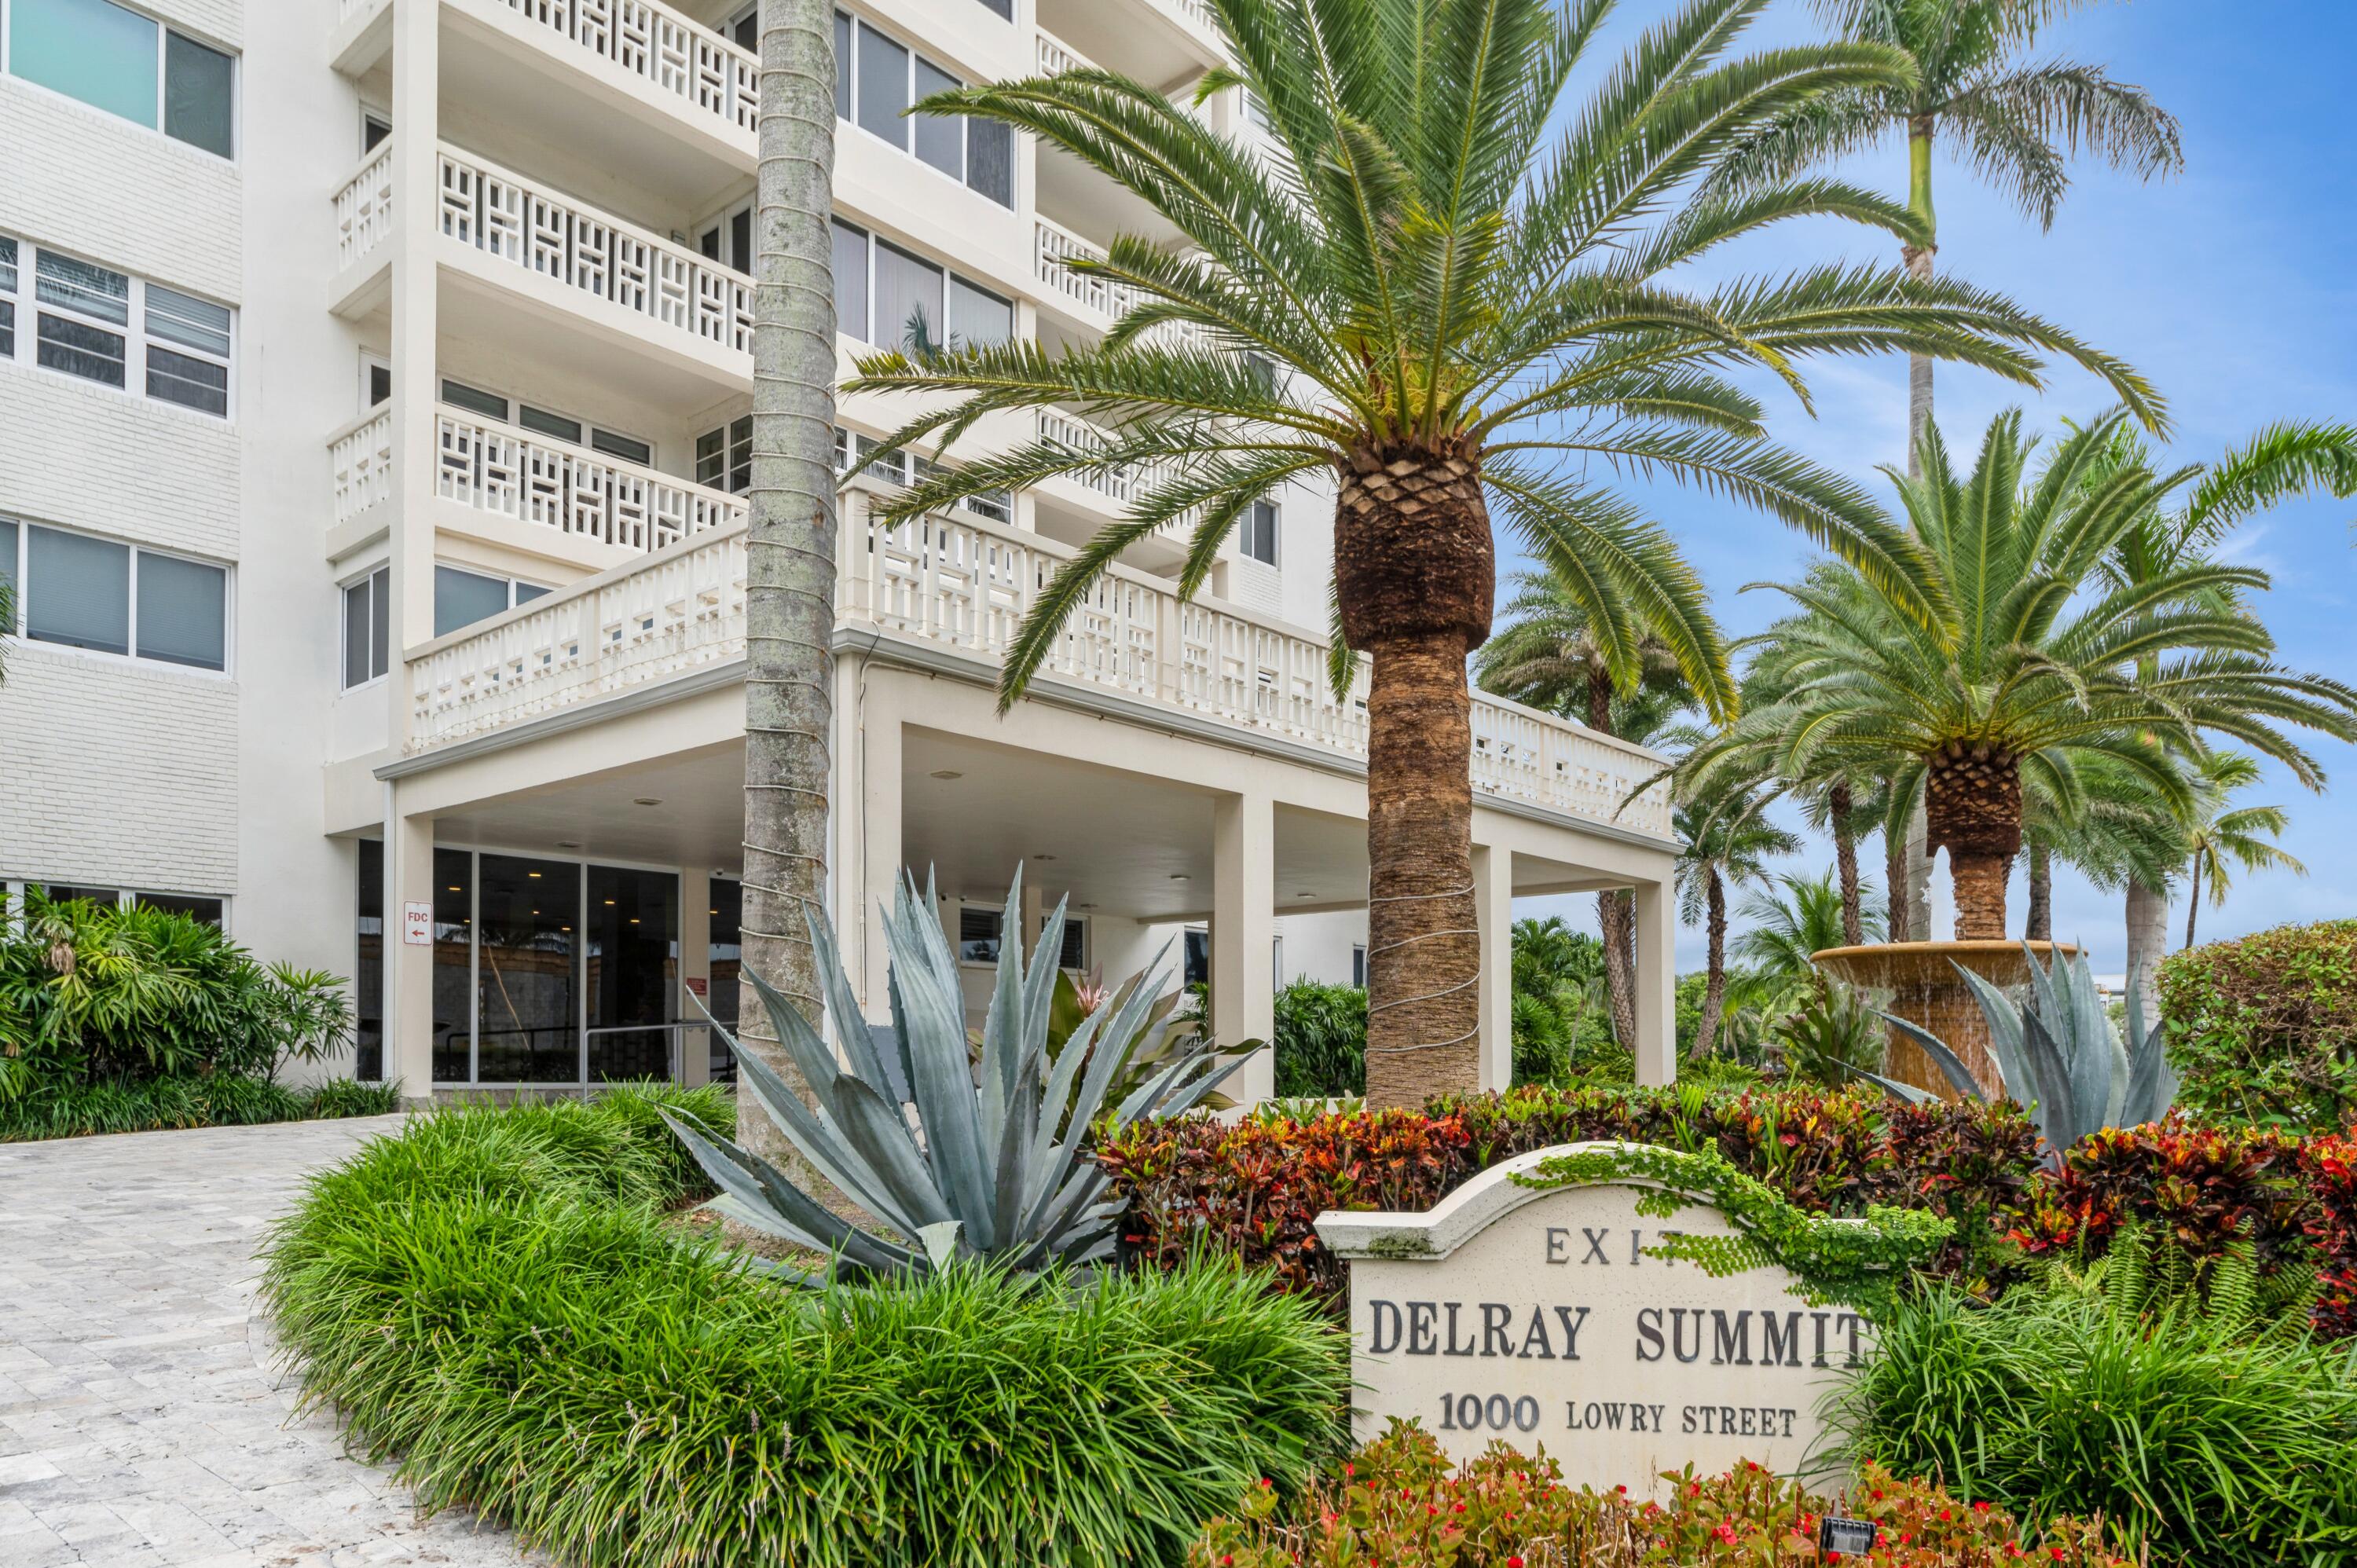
x=142, y=1424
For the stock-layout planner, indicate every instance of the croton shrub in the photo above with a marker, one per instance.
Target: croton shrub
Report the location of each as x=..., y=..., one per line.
x=1399, y=1503
x=2264, y=1029
x=1256, y=1186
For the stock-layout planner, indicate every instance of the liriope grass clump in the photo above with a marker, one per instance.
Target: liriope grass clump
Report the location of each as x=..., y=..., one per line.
x=495, y=1300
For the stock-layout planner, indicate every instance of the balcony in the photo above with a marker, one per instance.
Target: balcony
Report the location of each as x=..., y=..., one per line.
x=959, y=588
x=1163, y=43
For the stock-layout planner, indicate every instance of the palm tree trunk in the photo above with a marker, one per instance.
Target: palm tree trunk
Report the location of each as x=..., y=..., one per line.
x=1916, y=884
x=1896, y=926
x=1713, y=990
x=790, y=543
x=2193, y=900
x=1837, y=807
x=1416, y=574
x=1972, y=807
x=1616, y=912
x=2148, y=920
x=2040, y=924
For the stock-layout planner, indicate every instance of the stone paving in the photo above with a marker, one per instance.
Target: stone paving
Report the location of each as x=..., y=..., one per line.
x=143, y=1420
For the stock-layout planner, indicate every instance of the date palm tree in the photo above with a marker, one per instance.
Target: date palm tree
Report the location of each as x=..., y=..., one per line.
x=2014, y=123
x=1724, y=843
x=1450, y=299
x=1550, y=657
x=2036, y=668
x=789, y=540
x=2223, y=837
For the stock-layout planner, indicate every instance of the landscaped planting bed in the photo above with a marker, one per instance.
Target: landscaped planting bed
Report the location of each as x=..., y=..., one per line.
x=496, y=1299
x=147, y=1105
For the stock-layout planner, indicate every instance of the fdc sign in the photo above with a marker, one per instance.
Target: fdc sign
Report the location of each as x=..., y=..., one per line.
x=1539, y=1316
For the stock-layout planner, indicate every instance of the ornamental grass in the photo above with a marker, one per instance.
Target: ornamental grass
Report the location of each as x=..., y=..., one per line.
x=495, y=1300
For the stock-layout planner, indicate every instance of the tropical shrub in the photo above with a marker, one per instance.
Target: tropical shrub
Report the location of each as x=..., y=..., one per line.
x=1321, y=1040
x=223, y=1100
x=1399, y=1501
x=2330, y=1164
x=2208, y=1190
x=2265, y=1029
x=496, y=1297
x=2201, y=1429
x=91, y=993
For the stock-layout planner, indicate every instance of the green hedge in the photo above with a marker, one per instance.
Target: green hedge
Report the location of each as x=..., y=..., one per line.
x=1321, y=1041
x=496, y=1297
x=222, y=1100
x=2265, y=1029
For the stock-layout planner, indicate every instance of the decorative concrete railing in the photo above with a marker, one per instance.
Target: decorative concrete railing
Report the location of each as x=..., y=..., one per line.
x=1122, y=483
x=964, y=585
x=1053, y=245
x=573, y=490
x=364, y=207
x=360, y=455
x=663, y=49
x=1055, y=56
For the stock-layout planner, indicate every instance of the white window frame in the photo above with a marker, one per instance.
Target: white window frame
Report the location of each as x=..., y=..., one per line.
x=1358, y=965
x=378, y=580
x=513, y=419
x=1276, y=531
x=134, y=331
x=848, y=69
x=163, y=85
x=998, y=506
x=869, y=240
x=718, y=227
x=513, y=584
x=16, y=570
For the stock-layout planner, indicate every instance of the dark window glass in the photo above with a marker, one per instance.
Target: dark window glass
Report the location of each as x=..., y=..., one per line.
x=461, y=396
x=1075, y=948
x=740, y=241
x=883, y=87
x=1003, y=7
x=380, y=620
x=1258, y=533
x=747, y=33
x=206, y=911
x=526, y=983
x=76, y=591
x=183, y=612
x=1358, y=967
x=82, y=350
x=64, y=893
x=368, y=965
x=740, y=455
x=633, y=959
x=908, y=299
x=93, y=291
x=547, y=423
x=941, y=139
x=990, y=160
x=851, y=282
x=623, y=446
x=7, y=330
x=7, y=266
x=527, y=592
x=372, y=132
x=727, y=955
x=357, y=669
x=198, y=94
x=187, y=380
x=11, y=604
x=453, y=962
x=1195, y=967
x=462, y=599
x=979, y=934
x=709, y=245
x=379, y=384
x=842, y=66
x=978, y=318
x=712, y=458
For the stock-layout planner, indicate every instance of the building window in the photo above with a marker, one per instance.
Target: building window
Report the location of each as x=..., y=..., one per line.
x=368, y=627
x=730, y=240
x=903, y=467
x=1257, y=536
x=463, y=598
x=894, y=298
x=127, y=64
x=1276, y=962
x=878, y=78
x=1358, y=965
x=368, y=966
x=1074, y=953
x=81, y=592
x=99, y=325
x=543, y=422
x=205, y=910
x=978, y=928
x=724, y=457
x=1256, y=111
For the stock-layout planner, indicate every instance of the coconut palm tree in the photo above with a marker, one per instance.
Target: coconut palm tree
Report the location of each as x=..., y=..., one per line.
x=2223, y=838
x=1723, y=843
x=789, y=541
x=1450, y=307
x=1551, y=657
x=2015, y=123
x=2035, y=667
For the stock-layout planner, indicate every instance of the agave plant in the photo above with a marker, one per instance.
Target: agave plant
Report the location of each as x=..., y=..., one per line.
x=2059, y=1055
x=953, y=1154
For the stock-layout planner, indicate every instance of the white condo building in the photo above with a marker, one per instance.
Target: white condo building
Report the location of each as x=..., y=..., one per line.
x=375, y=380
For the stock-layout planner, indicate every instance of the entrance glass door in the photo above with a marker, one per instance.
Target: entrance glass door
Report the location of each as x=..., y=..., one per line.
x=527, y=1016
x=633, y=972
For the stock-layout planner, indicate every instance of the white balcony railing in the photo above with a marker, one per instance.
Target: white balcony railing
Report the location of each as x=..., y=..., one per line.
x=967, y=585
x=663, y=49
x=1122, y=483
x=1052, y=247
x=1055, y=56
x=364, y=207
x=570, y=489
x=508, y=216
x=360, y=455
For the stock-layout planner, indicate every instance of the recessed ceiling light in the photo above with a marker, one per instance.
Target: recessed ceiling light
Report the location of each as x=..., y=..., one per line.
x=609, y=903
x=568, y=844
x=712, y=911
x=1086, y=906
x=947, y=773
x=1305, y=895
x=634, y=920
x=456, y=888
x=1179, y=877
x=1043, y=857
x=533, y=875
x=646, y=800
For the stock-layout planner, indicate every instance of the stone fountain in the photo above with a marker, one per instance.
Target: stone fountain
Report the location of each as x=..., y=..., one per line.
x=1927, y=991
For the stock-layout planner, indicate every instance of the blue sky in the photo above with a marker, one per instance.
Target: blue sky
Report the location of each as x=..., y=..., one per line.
x=2229, y=286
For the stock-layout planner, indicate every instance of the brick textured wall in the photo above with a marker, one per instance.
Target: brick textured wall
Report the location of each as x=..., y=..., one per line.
x=112, y=462
x=117, y=774
x=119, y=194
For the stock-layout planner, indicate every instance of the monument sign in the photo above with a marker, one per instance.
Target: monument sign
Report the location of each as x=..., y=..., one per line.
x=1540, y=1316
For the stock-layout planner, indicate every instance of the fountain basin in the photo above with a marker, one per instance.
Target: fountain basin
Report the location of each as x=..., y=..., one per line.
x=1927, y=991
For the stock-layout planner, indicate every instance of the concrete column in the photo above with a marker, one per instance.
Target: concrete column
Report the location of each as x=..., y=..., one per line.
x=1657, y=982
x=1244, y=933
x=408, y=968
x=694, y=972
x=417, y=90
x=1493, y=903
x=867, y=828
